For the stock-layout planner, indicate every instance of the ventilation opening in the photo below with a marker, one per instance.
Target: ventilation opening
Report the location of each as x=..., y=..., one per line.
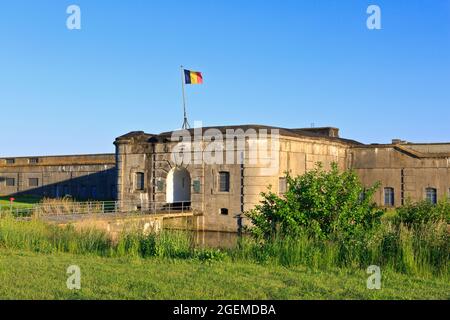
x=224, y=211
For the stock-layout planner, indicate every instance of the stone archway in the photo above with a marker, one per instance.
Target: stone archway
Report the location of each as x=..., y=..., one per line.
x=178, y=186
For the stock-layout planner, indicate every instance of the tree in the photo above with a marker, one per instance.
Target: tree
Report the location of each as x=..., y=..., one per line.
x=321, y=203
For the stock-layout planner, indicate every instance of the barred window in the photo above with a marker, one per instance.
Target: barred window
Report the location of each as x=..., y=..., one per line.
x=10, y=182
x=10, y=161
x=33, y=160
x=389, y=197
x=224, y=181
x=282, y=185
x=431, y=195
x=140, y=182
x=197, y=186
x=33, y=182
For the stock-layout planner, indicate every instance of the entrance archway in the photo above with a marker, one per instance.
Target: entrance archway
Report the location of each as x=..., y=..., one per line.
x=178, y=186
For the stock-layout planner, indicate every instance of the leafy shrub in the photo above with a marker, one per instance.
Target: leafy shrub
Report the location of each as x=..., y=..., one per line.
x=210, y=255
x=324, y=203
x=423, y=212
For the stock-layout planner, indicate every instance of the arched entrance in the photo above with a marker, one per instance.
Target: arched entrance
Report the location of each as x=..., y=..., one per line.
x=178, y=184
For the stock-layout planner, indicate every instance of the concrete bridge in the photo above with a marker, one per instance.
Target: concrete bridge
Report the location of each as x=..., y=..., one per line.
x=109, y=217
x=114, y=224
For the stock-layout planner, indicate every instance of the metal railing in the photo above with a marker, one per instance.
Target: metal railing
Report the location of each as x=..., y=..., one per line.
x=97, y=207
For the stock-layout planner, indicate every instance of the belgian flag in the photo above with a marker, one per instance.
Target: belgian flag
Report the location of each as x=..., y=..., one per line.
x=193, y=77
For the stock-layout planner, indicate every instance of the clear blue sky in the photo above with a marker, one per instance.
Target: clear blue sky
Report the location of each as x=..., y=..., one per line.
x=282, y=63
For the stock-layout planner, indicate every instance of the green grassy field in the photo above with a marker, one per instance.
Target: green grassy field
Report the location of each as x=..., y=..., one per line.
x=27, y=275
x=19, y=202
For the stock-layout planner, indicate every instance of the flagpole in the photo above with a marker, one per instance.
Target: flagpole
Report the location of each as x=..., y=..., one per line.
x=185, y=120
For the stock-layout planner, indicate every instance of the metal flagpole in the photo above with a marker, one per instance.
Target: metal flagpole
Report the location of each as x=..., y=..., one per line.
x=185, y=120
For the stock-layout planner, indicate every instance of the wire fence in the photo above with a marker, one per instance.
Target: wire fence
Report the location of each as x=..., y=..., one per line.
x=97, y=207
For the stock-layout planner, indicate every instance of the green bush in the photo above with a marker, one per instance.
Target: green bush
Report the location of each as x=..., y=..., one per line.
x=424, y=250
x=423, y=212
x=324, y=203
x=210, y=255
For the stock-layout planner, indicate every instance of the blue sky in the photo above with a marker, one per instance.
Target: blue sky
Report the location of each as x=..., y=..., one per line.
x=282, y=63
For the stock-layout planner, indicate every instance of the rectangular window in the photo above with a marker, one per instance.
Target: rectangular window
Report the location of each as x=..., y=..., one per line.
x=224, y=181
x=10, y=182
x=389, y=197
x=224, y=211
x=10, y=161
x=160, y=185
x=362, y=196
x=33, y=160
x=431, y=195
x=197, y=186
x=282, y=185
x=33, y=182
x=140, y=182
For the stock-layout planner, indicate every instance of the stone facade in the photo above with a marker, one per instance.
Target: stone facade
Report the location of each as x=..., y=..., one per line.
x=144, y=171
x=81, y=176
x=409, y=170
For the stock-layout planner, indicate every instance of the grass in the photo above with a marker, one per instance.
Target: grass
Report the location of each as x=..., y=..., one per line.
x=30, y=275
x=19, y=202
x=34, y=257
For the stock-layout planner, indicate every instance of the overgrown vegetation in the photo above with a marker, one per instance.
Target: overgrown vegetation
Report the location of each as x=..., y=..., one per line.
x=328, y=218
x=326, y=221
x=37, y=236
x=321, y=203
x=27, y=206
x=423, y=212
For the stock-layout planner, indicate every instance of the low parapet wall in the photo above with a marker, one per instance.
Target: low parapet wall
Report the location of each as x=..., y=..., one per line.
x=114, y=224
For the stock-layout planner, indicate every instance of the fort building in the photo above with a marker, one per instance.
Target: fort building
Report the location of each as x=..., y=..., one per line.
x=219, y=172
x=84, y=177
x=148, y=172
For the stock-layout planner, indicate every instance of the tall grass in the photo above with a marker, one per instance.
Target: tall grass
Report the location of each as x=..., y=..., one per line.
x=35, y=235
x=419, y=250
x=422, y=250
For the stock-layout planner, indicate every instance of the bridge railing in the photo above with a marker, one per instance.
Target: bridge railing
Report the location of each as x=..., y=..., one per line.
x=98, y=207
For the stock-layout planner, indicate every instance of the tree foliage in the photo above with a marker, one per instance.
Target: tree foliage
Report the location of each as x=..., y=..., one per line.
x=424, y=211
x=321, y=203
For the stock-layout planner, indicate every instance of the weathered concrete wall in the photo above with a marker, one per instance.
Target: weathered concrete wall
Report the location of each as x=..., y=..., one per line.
x=116, y=224
x=138, y=152
x=407, y=168
x=81, y=176
x=401, y=168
